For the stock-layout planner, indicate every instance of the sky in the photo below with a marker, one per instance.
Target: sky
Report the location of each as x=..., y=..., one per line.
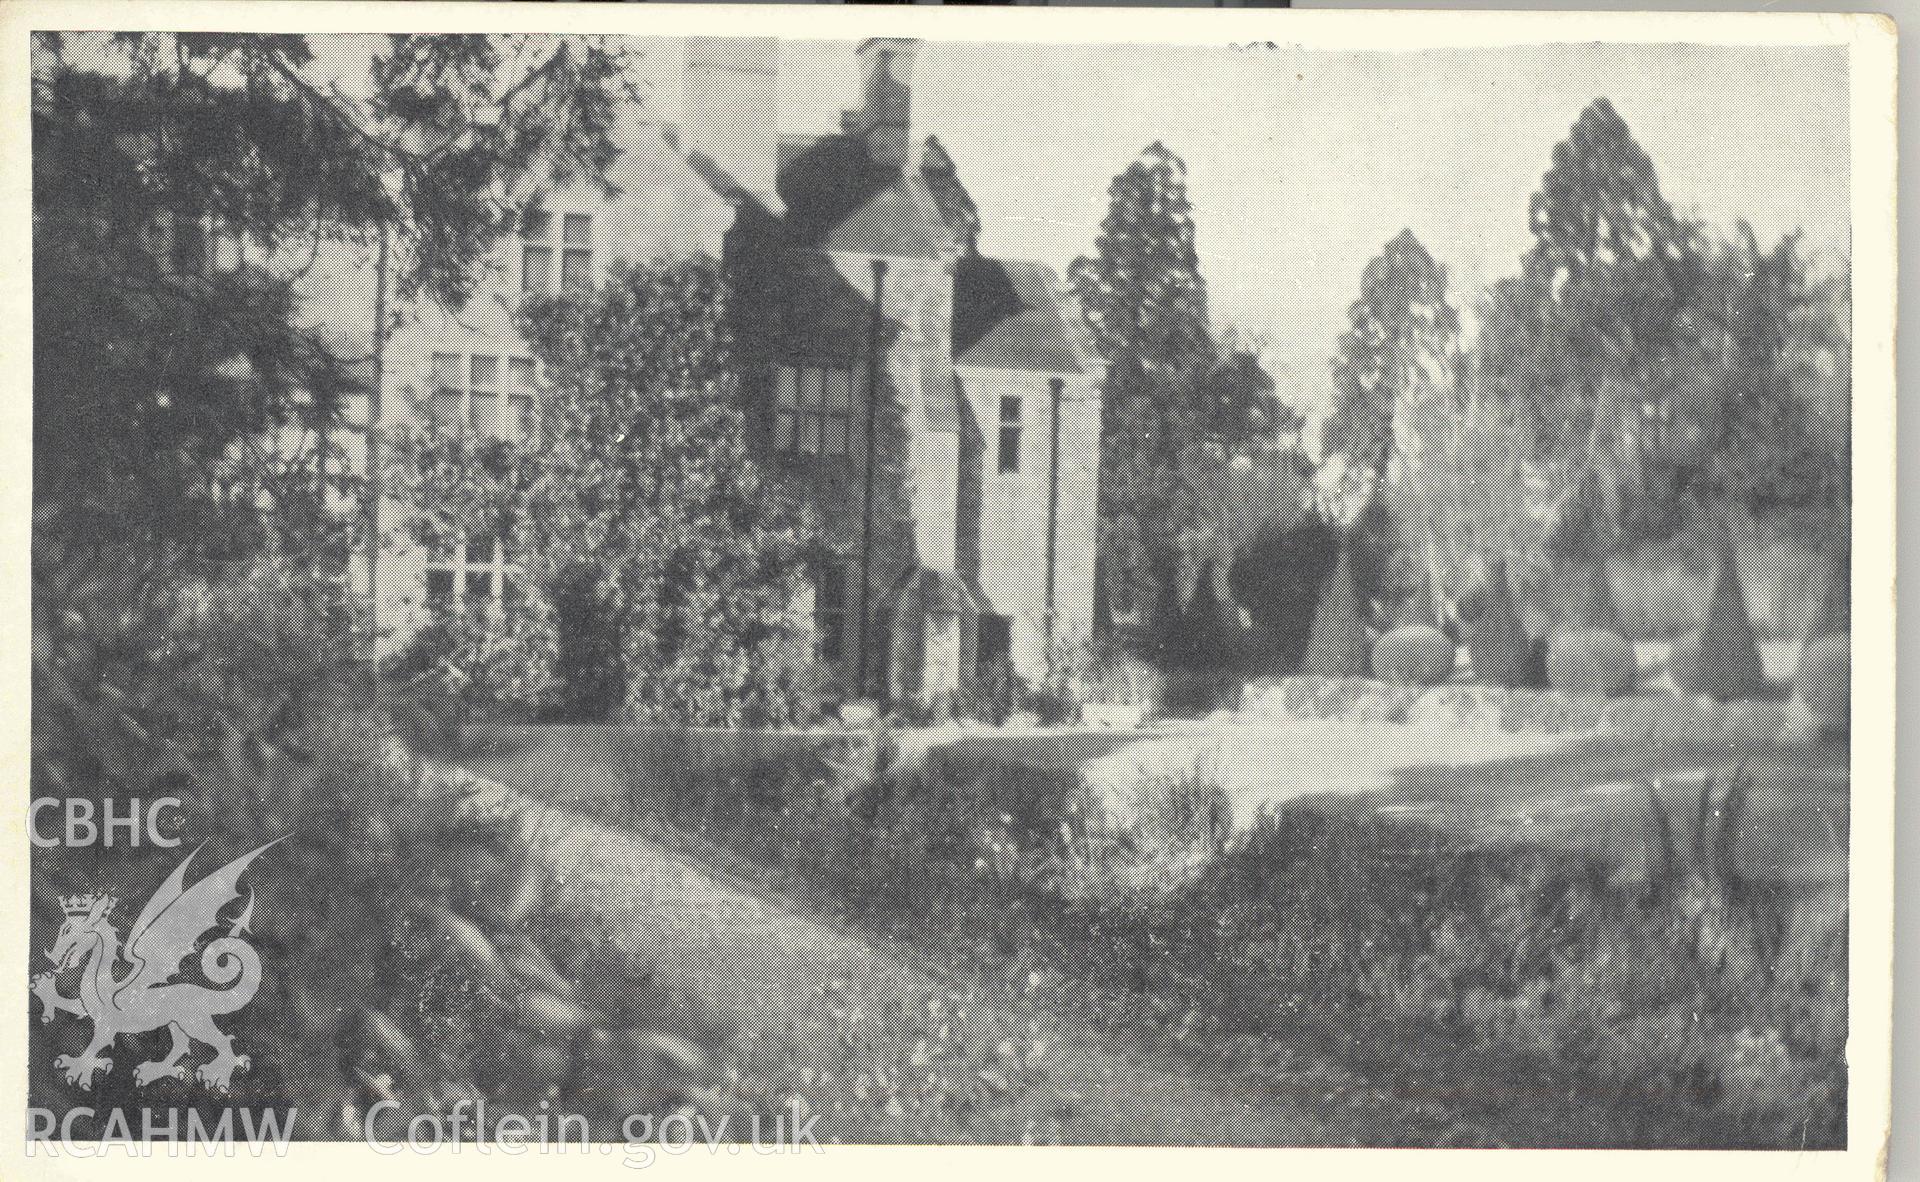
x=1303, y=164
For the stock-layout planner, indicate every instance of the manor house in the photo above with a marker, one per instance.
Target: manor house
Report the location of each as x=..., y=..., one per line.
x=868, y=318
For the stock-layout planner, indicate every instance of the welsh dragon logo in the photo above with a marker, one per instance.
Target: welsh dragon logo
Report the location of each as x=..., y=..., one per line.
x=144, y=995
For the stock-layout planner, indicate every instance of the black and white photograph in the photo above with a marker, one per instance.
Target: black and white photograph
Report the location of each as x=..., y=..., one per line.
x=732, y=582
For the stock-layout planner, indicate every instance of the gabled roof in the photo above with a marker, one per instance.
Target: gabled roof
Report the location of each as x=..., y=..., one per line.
x=1014, y=314
x=837, y=198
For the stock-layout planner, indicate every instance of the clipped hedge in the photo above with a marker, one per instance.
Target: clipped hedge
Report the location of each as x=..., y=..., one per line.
x=1720, y=659
x=1414, y=655
x=1338, y=646
x=1591, y=661
x=1498, y=646
x=1824, y=680
x=1589, y=599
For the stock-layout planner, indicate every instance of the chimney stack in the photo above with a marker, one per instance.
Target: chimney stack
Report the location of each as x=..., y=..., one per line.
x=731, y=112
x=886, y=119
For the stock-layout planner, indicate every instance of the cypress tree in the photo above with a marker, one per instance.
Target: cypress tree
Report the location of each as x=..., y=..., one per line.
x=1590, y=605
x=1496, y=638
x=1338, y=645
x=1721, y=660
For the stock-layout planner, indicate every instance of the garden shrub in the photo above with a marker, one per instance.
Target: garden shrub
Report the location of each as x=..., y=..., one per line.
x=416, y=956
x=1589, y=603
x=1278, y=576
x=1353, y=699
x=1338, y=645
x=1100, y=669
x=1591, y=661
x=1698, y=990
x=1824, y=680
x=1835, y=610
x=1413, y=655
x=1721, y=659
x=1498, y=645
x=493, y=660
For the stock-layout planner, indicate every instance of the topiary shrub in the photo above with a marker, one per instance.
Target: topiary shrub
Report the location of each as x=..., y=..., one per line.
x=1413, y=655
x=1824, y=680
x=1721, y=659
x=1589, y=599
x=1277, y=576
x=1834, y=613
x=1501, y=651
x=1338, y=646
x=1591, y=661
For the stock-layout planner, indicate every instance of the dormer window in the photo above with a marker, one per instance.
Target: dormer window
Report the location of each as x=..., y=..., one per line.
x=545, y=237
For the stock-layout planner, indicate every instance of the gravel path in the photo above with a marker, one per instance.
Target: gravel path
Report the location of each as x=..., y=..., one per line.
x=888, y=1049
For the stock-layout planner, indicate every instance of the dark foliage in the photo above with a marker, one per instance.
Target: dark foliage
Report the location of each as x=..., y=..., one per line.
x=1277, y=577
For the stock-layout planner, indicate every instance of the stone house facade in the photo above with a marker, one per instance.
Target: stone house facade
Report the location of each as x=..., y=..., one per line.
x=938, y=408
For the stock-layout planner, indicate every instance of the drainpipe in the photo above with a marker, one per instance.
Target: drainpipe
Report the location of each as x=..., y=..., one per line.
x=874, y=329
x=1054, y=388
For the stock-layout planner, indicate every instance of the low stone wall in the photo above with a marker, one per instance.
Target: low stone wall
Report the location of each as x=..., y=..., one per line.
x=1645, y=716
x=598, y=761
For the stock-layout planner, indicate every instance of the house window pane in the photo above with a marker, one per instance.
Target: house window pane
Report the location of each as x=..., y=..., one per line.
x=536, y=224
x=482, y=407
x=479, y=584
x=536, y=269
x=448, y=370
x=577, y=230
x=839, y=397
x=576, y=272
x=444, y=408
x=520, y=402
x=439, y=586
x=810, y=383
x=783, y=431
x=1009, y=435
x=486, y=371
x=835, y=443
x=479, y=549
x=520, y=374
x=519, y=416
x=810, y=432
x=789, y=388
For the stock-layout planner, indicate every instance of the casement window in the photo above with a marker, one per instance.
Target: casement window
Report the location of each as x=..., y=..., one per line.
x=479, y=572
x=813, y=410
x=1010, y=428
x=545, y=238
x=195, y=244
x=830, y=612
x=484, y=392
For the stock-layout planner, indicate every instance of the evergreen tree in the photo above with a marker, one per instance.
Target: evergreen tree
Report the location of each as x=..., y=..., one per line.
x=1595, y=338
x=1401, y=346
x=1722, y=659
x=1770, y=435
x=161, y=364
x=1163, y=424
x=1338, y=645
